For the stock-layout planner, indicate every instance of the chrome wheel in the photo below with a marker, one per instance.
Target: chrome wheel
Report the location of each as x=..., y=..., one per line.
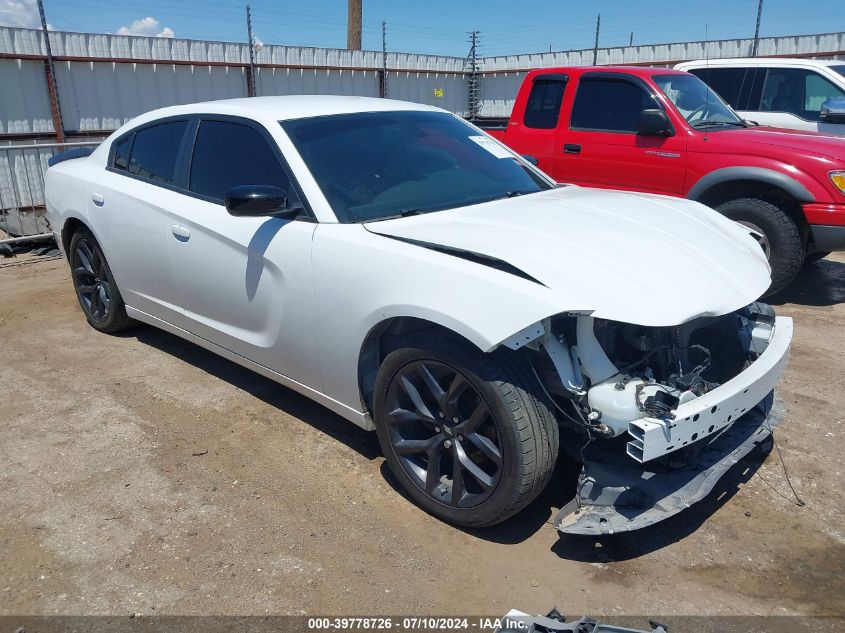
x=443, y=434
x=758, y=235
x=91, y=280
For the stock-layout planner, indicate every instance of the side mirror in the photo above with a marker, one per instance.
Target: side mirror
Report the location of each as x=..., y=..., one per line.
x=260, y=200
x=833, y=110
x=654, y=122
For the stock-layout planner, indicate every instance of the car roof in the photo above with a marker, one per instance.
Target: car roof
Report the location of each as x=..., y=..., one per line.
x=761, y=61
x=284, y=107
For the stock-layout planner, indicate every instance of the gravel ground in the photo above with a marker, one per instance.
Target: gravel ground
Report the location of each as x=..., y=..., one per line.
x=142, y=474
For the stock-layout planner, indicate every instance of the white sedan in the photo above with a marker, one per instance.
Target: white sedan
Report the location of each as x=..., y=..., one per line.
x=410, y=273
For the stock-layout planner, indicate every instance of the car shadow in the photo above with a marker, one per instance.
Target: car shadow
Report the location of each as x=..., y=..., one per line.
x=819, y=284
x=274, y=394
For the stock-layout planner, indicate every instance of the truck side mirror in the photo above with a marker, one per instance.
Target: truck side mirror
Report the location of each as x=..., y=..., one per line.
x=833, y=110
x=654, y=122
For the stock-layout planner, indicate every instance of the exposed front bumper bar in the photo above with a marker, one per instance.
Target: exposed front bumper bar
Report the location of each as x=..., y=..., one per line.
x=828, y=238
x=712, y=412
x=618, y=494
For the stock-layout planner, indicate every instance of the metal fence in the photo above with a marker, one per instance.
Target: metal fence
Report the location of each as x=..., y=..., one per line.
x=22, y=203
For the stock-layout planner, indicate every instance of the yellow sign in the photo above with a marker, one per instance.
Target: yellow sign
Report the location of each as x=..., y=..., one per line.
x=438, y=92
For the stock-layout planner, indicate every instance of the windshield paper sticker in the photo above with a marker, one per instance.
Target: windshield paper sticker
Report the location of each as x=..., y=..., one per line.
x=491, y=146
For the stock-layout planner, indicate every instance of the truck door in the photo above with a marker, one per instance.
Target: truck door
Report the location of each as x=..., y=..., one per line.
x=600, y=147
x=535, y=133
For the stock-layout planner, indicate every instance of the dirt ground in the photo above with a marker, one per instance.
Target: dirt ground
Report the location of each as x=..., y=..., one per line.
x=142, y=474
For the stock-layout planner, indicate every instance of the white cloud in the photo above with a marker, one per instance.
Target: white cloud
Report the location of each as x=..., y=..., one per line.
x=148, y=26
x=23, y=13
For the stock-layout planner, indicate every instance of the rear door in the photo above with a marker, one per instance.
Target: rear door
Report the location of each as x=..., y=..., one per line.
x=600, y=147
x=128, y=208
x=535, y=133
x=245, y=282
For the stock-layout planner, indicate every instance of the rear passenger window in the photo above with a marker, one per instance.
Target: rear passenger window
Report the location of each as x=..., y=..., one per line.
x=726, y=82
x=543, y=105
x=229, y=154
x=155, y=150
x=609, y=105
x=121, y=153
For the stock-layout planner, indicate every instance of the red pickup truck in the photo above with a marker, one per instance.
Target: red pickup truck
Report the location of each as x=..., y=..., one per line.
x=664, y=131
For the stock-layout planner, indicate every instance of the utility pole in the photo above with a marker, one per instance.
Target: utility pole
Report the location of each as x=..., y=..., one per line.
x=250, y=78
x=631, y=41
x=757, y=29
x=474, y=79
x=596, y=46
x=50, y=73
x=353, y=25
x=383, y=58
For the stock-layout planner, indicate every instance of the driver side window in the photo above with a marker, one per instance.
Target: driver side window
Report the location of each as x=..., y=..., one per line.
x=609, y=105
x=228, y=154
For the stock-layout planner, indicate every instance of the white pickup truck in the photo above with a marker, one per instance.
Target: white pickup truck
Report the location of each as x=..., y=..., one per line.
x=415, y=276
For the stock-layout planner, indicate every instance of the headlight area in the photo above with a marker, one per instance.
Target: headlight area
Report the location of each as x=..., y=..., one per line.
x=662, y=412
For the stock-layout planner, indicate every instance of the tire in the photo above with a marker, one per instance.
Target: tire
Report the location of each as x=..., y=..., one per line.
x=475, y=401
x=96, y=290
x=786, y=247
x=812, y=258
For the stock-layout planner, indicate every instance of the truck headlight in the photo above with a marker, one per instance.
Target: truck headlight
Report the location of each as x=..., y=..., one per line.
x=838, y=180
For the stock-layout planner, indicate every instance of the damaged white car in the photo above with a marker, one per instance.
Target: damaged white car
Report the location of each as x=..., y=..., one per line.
x=413, y=275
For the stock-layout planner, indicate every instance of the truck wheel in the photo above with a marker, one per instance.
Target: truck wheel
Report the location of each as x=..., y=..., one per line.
x=462, y=431
x=779, y=237
x=95, y=287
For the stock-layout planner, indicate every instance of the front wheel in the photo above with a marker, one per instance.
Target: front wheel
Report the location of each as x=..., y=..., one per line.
x=462, y=431
x=777, y=234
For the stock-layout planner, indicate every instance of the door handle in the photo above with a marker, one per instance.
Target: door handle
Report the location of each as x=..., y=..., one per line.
x=98, y=199
x=572, y=148
x=181, y=233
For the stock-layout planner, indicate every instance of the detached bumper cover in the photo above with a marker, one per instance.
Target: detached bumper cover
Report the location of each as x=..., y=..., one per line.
x=620, y=495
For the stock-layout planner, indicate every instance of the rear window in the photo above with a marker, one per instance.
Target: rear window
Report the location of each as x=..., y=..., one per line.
x=121, y=152
x=155, y=150
x=727, y=82
x=543, y=107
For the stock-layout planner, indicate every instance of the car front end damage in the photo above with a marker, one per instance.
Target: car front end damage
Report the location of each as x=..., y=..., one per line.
x=656, y=415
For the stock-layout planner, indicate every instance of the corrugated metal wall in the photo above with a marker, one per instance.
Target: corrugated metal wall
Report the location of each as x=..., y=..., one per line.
x=101, y=95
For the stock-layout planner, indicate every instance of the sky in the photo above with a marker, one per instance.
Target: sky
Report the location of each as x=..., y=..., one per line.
x=438, y=26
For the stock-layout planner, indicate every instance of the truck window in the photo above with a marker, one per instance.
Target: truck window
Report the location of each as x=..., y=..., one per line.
x=727, y=82
x=609, y=105
x=543, y=107
x=797, y=91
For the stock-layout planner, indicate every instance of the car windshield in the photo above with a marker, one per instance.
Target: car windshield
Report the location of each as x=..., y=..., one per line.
x=696, y=102
x=376, y=165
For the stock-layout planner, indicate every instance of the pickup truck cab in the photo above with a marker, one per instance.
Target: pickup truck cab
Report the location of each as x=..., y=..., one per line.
x=664, y=131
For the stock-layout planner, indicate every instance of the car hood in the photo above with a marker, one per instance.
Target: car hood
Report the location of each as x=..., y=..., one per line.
x=637, y=258
x=765, y=138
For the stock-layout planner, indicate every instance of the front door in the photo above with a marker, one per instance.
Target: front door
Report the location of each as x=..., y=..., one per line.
x=245, y=281
x=601, y=146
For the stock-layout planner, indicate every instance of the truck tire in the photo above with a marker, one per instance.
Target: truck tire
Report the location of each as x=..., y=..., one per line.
x=444, y=412
x=780, y=234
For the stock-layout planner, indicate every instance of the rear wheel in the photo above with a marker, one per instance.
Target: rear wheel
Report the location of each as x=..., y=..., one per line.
x=95, y=287
x=777, y=234
x=461, y=430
